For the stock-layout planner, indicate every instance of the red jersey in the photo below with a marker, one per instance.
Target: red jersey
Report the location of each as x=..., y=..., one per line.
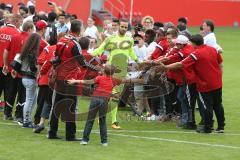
x=71, y=58
x=15, y=46
x=177, y=75
x=6, y=34
x=44, y=58
x=43, y=44
x=84, y=72
x=161, y=49
x=205, y=61
x=189, y=74
x=105, y=85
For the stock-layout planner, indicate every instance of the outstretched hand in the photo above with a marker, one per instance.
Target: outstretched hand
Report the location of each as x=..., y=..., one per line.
x=72, y=81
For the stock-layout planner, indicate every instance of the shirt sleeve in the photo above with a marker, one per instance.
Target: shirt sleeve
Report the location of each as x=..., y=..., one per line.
x=76, y=50
x=219, y=58
x=132, y=54
x=189, y=61
x=100, y=49
x=42, y=57
x=156, y=53
x=96, y=80
x=175, y=58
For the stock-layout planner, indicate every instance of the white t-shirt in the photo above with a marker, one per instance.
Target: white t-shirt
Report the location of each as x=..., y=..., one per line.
x=91, y=31
x=210, y=40
x=150, y=48
x=141, y=53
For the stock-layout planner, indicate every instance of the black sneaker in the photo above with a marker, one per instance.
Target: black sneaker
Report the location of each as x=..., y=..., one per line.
x=203, y=130
x=38, y=129
x=53, y=137
x=219, y=130
x=190, y=126
x=28, y=125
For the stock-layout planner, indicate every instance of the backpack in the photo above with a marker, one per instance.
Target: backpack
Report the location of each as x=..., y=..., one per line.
x=17, y=63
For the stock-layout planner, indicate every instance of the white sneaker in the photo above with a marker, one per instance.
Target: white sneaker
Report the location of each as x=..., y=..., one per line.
x=152, y=118
x=83, y=143
x=104, y=144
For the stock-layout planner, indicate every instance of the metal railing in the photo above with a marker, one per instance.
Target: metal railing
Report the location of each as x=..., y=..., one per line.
x=113, y=7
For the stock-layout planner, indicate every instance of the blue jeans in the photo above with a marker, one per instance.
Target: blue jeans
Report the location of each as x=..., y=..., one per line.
x=98, y=104
x=184, y=107
x=31, y=86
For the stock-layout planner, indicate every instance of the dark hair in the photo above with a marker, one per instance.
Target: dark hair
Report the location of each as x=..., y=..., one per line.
x=197, y=39
x=2, y=6
x=151, y=33
x=24, y=8
x=110, y=70
x=173, y=32
x=31, y=10
x=52, y=16
x=183, y=20
x=137, y=35
x=123, y=20
x=43, y=17
x=27, y=25
x=201, y=28
x=210, y=24
x=76, y=26
x=74, y=16
x=158, y=24
x=84, y=43
x=31, y=46
x=115, y=20
x=36, y=18
x=62, y=15
x=181, y=27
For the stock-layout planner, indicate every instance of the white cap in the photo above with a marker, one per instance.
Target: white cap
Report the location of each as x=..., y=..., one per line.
x=181, y=39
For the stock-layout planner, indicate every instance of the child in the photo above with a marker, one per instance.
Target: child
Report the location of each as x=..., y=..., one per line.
x=99, y=102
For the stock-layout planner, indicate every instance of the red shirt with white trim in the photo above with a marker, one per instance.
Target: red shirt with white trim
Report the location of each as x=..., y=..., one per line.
x=43, y=44
x=71, y=58
x=205, y=61
x=161, y=49
x=44, y=58
x=177, y=75
x=6, y=34
x=105, y=85
x=188, y=73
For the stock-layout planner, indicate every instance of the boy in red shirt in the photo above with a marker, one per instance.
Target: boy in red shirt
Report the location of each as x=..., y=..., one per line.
x=101, y=95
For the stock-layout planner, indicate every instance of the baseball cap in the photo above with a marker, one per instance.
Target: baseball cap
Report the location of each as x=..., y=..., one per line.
x=181, y=39
x=41, y=24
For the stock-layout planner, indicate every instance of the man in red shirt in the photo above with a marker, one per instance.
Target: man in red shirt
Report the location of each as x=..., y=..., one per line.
x=68, y=53
x=207, y=64
x=15, y=81
x=6, y=34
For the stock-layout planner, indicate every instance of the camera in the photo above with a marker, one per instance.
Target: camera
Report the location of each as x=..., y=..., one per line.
x=50, y=3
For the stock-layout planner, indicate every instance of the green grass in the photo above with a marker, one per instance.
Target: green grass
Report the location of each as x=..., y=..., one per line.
x=165, y=144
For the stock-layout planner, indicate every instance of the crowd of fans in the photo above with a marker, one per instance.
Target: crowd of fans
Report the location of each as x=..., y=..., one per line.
x=51, y=58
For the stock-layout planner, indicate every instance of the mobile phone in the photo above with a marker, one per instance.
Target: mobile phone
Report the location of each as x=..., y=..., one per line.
x=50, y=3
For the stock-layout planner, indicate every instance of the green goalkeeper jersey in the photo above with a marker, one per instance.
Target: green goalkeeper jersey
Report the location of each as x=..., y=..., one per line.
x=117, y=45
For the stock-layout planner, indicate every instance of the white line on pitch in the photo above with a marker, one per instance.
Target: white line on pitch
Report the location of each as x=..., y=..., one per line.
x=155, y=138
x=176, y=141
